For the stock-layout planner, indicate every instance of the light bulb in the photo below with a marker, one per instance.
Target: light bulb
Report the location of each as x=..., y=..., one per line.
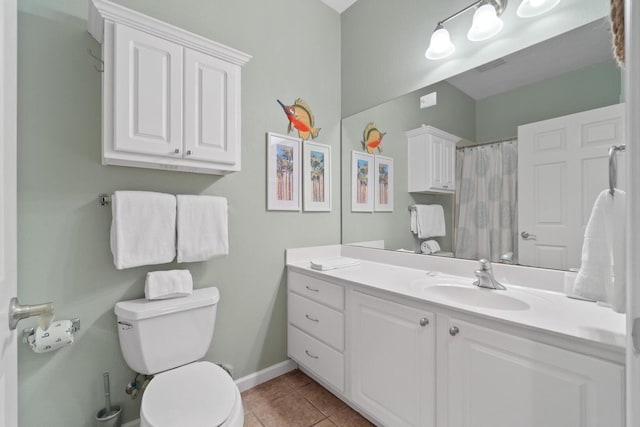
x=486, y=24
x=531, y=8
x=440, y=45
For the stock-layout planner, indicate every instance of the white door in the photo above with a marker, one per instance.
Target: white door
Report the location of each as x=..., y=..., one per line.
x=212, y=109
x=392, y=361
x=8, y=345
x=148, y=93
x=562, y=167
x=493, y=379
x=632, y=96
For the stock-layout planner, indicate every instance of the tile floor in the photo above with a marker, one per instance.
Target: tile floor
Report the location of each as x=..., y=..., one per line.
x=295, y=400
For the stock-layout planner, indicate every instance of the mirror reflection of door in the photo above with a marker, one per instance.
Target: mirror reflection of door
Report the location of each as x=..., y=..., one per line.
x=562, y=167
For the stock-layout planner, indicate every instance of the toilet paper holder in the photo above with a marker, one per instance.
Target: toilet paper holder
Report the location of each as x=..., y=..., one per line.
x=27, y=332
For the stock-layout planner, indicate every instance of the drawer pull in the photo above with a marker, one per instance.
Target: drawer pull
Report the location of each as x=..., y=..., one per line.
x=424, y=322
x=312, y=289
x=453, y=331
x=311, y=318
x=311, y=355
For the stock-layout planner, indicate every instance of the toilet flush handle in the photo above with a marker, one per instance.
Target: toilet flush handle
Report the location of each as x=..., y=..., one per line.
x=124, y=326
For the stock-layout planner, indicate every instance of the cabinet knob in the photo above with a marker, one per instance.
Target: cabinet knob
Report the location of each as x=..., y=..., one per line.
x=177, y=150
x=188, y=152
x=453, y=331
x=424, y=322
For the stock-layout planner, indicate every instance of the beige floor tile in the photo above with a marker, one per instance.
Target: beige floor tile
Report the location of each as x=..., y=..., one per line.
x=297, y=379
x=347, y=417
x=325, y=423
x=265, y=393
x=250, y=420
x=322, y=399
x=291, y=410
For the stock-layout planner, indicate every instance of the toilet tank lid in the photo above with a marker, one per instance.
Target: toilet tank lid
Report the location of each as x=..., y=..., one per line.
x=142, y=308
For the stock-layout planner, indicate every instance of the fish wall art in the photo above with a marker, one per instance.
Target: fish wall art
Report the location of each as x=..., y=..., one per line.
x=300, y=118
x=372, y=139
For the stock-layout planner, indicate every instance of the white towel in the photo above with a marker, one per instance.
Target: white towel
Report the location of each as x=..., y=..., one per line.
x=427, y=221
x=429, y=247
x=168, y=284
x=143, y=228
x=203, y=227
x=602, y=274
x=332, y=263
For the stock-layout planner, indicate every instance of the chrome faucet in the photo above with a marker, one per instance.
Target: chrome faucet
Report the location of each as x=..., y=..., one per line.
x=485, y=277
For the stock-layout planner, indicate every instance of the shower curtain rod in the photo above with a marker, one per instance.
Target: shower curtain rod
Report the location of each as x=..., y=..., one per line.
x=495, y=141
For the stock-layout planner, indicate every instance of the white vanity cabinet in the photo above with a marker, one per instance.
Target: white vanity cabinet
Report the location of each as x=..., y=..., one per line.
x=431, y=160
x=488, y=378
x=392, y=360
x=171, y=99
x=315, y=331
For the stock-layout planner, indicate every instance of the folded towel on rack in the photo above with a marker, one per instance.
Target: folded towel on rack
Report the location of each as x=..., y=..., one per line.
x=602, y=273
x=168, y=284
x=143, y=228
x=427, y=221
x=203, y=227
x=429, y=247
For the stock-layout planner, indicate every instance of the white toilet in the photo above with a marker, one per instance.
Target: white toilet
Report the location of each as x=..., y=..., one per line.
x=166, y=338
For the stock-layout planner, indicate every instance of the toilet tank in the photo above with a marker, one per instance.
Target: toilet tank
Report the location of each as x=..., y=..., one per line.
x=163, y=334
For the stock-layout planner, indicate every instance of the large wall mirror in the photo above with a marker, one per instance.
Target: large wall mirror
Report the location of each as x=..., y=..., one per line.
x=530, y=157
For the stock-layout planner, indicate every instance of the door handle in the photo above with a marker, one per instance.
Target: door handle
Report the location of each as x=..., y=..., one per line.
x=18, y=312
x=528, y=236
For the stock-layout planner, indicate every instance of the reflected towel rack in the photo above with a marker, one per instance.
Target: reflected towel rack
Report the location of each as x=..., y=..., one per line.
x=613, y=166
x=104, y=199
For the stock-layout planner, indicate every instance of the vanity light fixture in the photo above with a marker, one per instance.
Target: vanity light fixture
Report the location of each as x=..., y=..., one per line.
x=531, y=8
x=486, y=23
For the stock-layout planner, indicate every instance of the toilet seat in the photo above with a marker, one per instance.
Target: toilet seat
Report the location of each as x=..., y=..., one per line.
x=197, y=394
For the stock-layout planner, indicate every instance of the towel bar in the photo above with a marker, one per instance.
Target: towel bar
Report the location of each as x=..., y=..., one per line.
x=613, y=166
x=104, y=199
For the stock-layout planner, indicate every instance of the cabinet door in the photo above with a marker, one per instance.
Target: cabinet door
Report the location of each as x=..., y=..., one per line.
x=212, y=109
x=499, y=380
x=148, y=94
x=441, y=164
x=392, y=361
x=449, y=166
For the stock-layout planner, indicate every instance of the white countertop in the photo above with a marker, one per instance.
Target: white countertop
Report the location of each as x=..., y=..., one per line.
x=543, y=310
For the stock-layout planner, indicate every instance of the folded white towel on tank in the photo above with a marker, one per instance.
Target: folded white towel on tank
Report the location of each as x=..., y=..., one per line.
x=143, y=228
x=168, y=284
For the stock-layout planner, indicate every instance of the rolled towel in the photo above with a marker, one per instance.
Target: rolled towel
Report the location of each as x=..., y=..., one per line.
x=168, y=284
x=203, y=227
x=429, y=247
x=143, y=228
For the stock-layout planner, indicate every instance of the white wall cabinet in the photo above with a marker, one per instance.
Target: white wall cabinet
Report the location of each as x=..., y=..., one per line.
x=432, y=160
x=171, y=99
x=392, y=360
x=406, y=363
x=489, y=378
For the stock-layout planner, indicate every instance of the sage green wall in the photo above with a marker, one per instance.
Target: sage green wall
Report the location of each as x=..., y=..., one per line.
x=63, y=234
x=383, y=44
x=585, y=89
x=454, y=113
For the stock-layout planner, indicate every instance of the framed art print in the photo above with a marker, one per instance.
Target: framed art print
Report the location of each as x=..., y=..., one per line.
x=316, y=181
x=283, y=172
x=383, y=198
x=362, y=185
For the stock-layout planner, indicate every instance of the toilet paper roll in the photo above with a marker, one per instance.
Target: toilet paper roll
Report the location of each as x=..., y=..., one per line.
x=58, y=335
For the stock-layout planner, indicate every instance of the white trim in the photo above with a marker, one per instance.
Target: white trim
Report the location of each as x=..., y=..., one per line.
x=273, y=371
x=101, y=10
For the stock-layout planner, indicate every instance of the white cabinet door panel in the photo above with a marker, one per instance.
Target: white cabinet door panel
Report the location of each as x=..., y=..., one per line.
x=499, y=380
x=392, y=361
x=212, y=110
x=148, y=94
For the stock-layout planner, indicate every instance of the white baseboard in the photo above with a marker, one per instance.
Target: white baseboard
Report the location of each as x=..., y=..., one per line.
x=252, y=380
x=249, y=381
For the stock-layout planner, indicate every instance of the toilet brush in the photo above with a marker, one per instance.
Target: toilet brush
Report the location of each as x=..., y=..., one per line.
x=107, y=393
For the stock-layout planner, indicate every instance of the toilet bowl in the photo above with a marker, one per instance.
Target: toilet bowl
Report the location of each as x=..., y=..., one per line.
x=167, y=339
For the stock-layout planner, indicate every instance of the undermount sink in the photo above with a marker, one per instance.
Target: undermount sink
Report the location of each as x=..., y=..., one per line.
x=477, y=297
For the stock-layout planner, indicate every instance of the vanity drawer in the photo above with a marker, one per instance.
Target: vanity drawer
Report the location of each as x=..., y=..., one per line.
x=317, y=290
x=322, y=322
x=326, y=362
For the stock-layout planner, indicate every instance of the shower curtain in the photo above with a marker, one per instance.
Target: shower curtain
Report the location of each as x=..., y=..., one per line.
x=486, y=201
